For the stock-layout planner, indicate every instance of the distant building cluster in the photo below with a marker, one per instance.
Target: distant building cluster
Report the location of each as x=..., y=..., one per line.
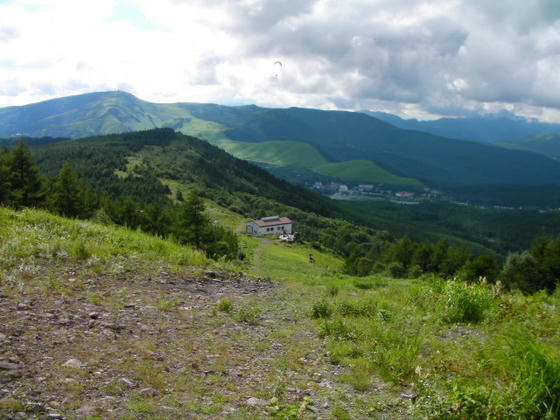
x=341, y=191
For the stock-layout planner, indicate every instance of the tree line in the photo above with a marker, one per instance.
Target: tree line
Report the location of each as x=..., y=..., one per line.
x=22, y=185
x=537, y=268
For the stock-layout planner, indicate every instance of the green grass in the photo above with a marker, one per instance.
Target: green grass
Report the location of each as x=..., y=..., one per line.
x=364, y=171
x=279, y=153
x=462, y=351
x=36, y=233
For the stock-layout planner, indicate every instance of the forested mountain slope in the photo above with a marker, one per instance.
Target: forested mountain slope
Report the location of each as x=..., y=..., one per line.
x=337, y=136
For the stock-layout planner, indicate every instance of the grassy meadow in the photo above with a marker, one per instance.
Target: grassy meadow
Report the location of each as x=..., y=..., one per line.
x=314, y=343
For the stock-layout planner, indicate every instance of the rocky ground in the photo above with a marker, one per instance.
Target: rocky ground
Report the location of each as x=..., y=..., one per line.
x=149, y=341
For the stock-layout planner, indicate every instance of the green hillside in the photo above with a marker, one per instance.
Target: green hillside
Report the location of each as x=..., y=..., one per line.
x=336, y=136
x=279, y=153
x=545, y=144
x=98, y=321
x=364, y=171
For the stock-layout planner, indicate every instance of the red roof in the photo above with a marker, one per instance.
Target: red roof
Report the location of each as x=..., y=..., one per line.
x=279, y=221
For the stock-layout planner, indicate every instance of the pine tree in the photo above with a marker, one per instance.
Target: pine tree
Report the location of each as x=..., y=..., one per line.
x=4, y=174
x=26, y=185
x=67, y=196
x=193, y=225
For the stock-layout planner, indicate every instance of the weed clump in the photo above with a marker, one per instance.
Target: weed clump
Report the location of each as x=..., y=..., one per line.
x=225, y=305
x=321, y=309
x=465, y=303
x=332, y=290
x=248, y=314
x=537, y=382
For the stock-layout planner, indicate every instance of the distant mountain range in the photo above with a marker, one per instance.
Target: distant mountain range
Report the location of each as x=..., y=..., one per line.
x=350, y=146
x=490, y=129
x=546, y=144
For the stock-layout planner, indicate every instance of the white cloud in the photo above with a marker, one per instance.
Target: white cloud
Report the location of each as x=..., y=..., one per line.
x=418, y=58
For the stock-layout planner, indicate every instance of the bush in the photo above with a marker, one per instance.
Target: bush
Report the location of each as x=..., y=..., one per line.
x=332, y=290
x=521, y=271
x=338, y=330
x=414, y=271
x=465, y=303
x=364, y=285
x=321, y=309
x=396, y=269
x=248, y=314
x=225, y=305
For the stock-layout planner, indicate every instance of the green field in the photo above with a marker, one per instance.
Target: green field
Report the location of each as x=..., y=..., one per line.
x=364, y=171
x=279, y=153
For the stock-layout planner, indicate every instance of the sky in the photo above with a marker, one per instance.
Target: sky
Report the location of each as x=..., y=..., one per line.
x=416, y=59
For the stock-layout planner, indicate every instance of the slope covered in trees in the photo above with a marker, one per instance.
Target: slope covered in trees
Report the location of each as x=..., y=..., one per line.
x=338, y=136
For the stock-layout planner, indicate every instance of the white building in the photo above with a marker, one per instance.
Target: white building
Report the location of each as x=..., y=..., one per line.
x=273, y=225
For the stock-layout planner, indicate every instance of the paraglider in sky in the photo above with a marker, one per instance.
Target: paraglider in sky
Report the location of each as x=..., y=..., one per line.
x=278, y=67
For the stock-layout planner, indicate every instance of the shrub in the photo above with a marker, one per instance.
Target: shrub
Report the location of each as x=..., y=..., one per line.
x=80, y=251
x=249, y=314
x=337, y=329
x=396, y=269
x=332, y=290
x=414, y=272
x=465, y=303
x=364, y=285
x=321, y=309
x=225, y=305
x=365, y=308
x=521, y=272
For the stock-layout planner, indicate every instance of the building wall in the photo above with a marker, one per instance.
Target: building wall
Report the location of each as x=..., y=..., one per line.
x=254, y=229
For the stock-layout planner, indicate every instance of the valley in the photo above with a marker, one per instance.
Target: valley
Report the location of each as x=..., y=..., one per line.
x=148, y=300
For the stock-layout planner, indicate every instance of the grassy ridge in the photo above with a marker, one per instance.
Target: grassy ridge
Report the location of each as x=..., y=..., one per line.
x=281, y=153
x=364, y=171
x=38, y=233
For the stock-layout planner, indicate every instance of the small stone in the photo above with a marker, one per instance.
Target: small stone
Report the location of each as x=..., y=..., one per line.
x=148, y=392
x=114, y=327
x=256, y=402
x=54, y=416
x=127, y=382
x=22, y=306
x=94, y=315
x=2, y=336
x=70, y=381
x=130, y=306
x=73, y=363
x=86, y=410
x=9, y=366
x=407, y=395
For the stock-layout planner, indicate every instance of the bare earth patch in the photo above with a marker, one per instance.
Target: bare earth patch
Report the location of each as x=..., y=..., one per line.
x=78, y=342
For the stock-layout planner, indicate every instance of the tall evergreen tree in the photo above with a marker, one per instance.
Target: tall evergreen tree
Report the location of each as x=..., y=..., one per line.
x=193, y=224
x=4, y=174
x=66, y=196
x=26, y=185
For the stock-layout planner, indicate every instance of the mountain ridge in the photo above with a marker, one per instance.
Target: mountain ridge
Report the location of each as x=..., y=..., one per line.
x=339, y=136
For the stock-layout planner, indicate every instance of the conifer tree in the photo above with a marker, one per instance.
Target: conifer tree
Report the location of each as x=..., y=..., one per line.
x=26, y=186
x=193, y=224
x=4, y=174
x=67, y=196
